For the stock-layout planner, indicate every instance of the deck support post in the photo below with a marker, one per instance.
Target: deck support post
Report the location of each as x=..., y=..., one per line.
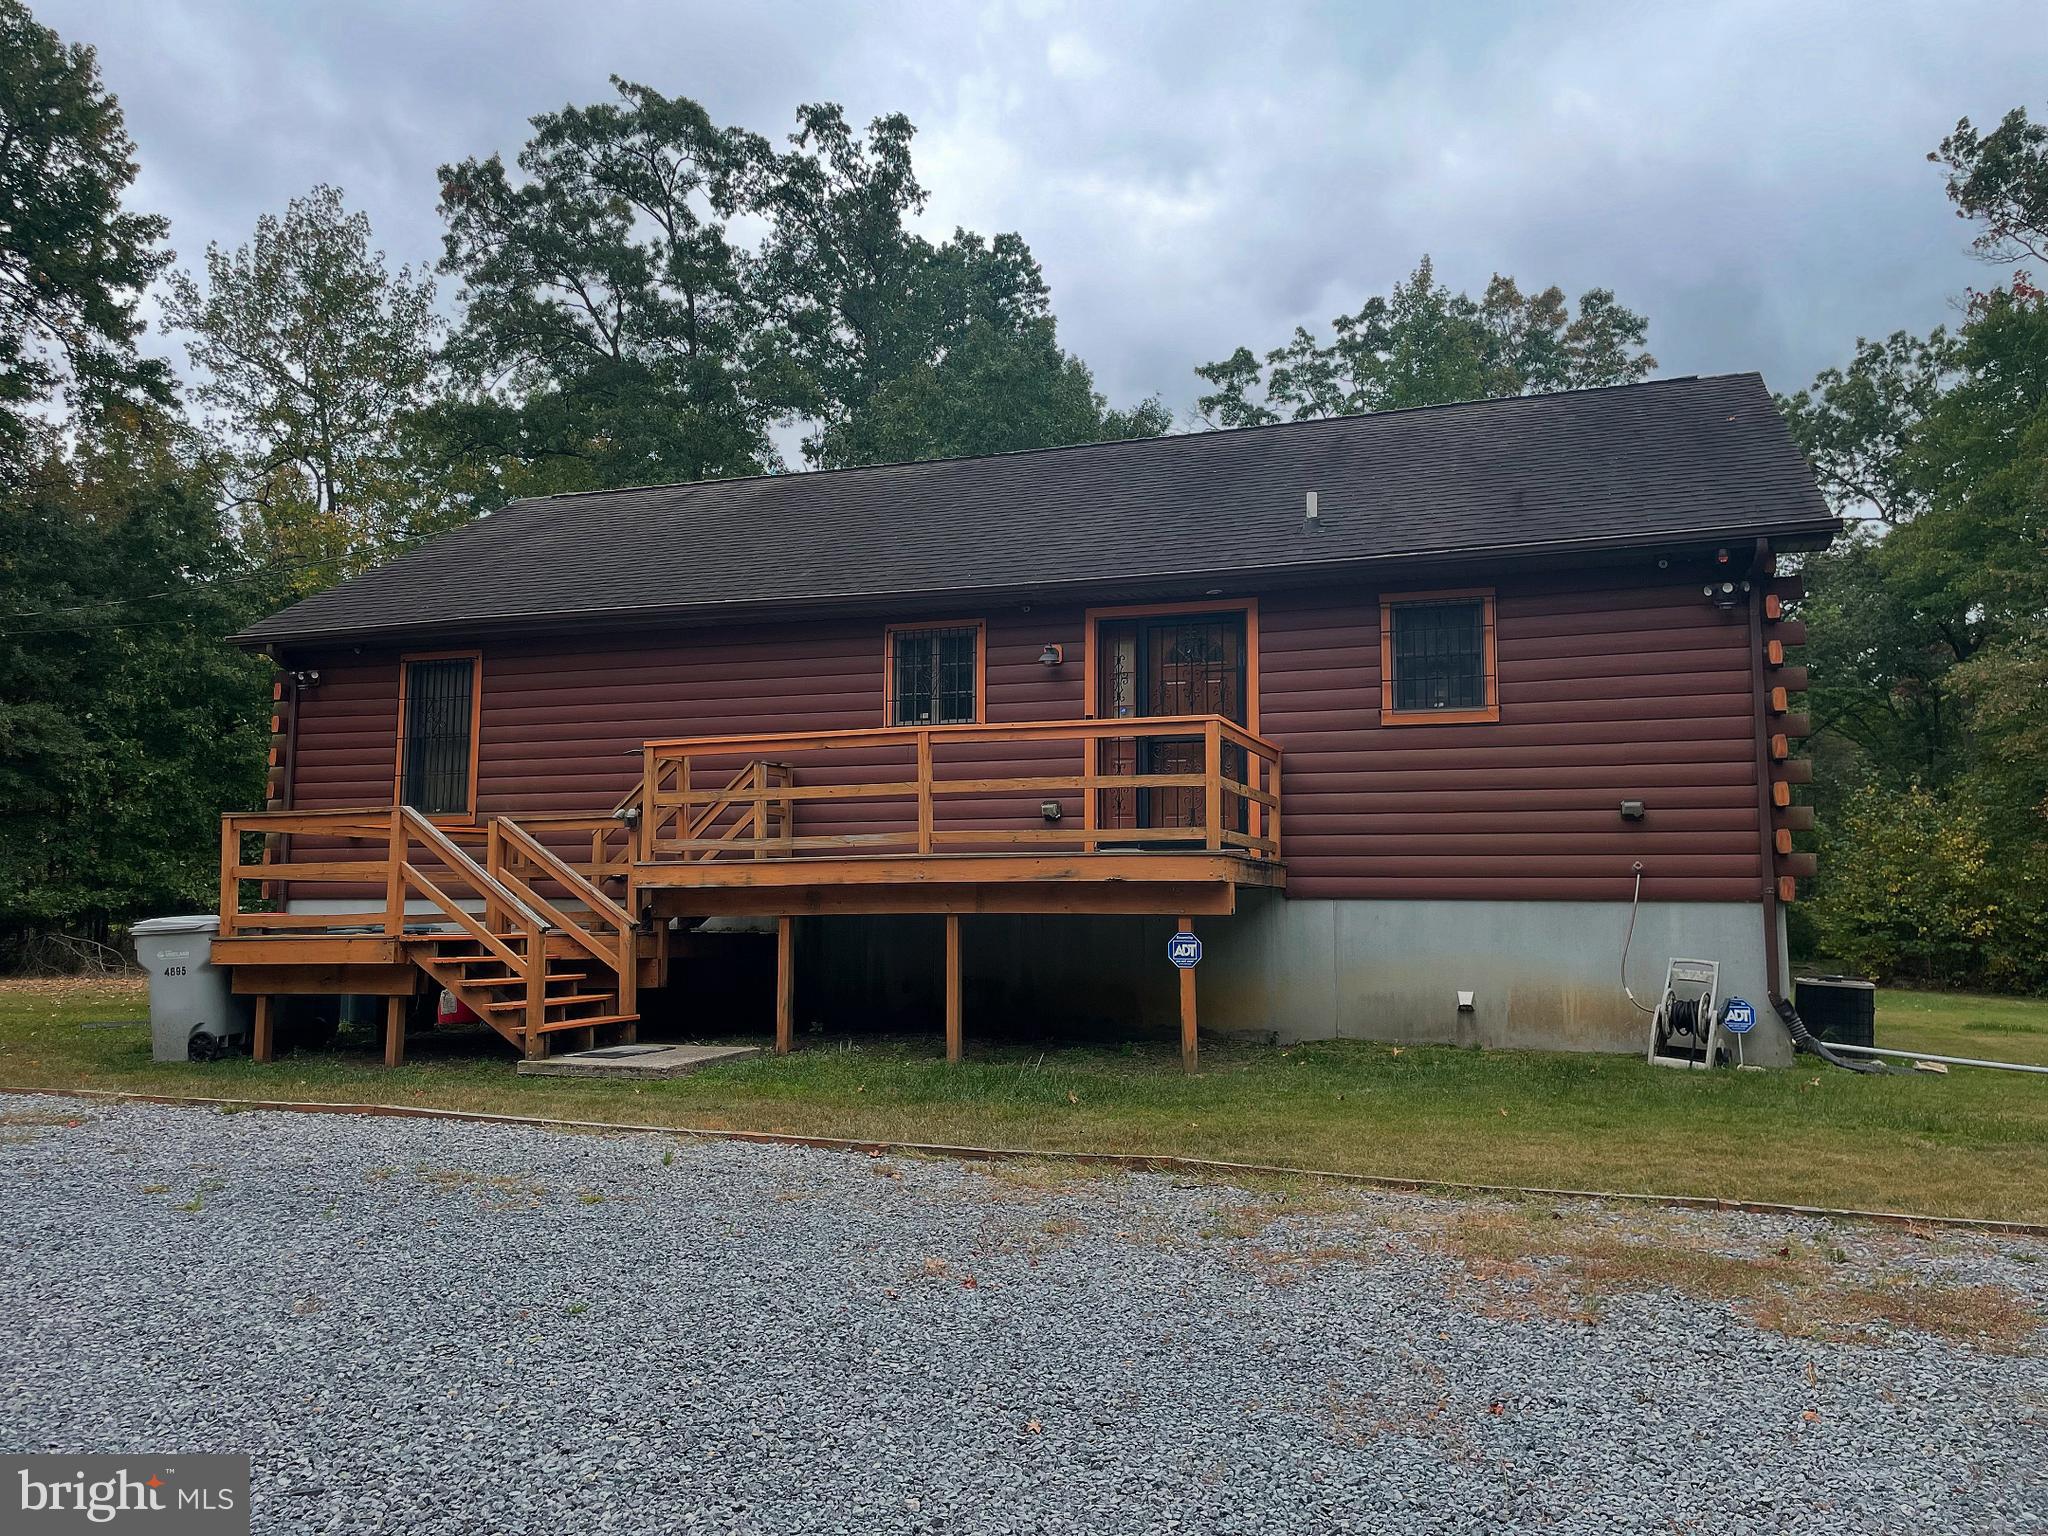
x=533, y=1041
x=262, y=1044
x=785, y=984
x=953, y=1042
x=1188, y=1048
x=394, y=1031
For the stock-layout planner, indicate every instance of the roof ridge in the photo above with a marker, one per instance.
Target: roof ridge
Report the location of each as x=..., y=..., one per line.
x=1125, y=442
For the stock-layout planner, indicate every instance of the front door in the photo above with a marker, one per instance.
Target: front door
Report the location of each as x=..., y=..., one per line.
x=1168, y=664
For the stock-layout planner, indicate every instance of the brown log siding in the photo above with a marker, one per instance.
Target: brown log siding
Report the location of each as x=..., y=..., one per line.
x=1611, y=688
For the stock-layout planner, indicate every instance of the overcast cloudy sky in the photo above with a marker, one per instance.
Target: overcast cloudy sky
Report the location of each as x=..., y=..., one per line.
x=1193, y=176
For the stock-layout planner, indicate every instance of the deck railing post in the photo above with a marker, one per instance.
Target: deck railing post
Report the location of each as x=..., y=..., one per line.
x=1091, y=754
x=535, y=1042
x=686, y=813
x=629, y=969
x=230, y=878
x=1273, y=789
x=394, y=877
x=640, y=834
x=758, y=771
x=1212, y=781
x=494, y=863
x=924, y=791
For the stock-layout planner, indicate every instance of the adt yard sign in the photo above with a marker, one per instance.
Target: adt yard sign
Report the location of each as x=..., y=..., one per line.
x=1738, y=1018
x=1184, y=950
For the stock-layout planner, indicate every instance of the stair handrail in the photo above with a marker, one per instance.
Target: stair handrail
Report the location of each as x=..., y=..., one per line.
x=625, y=961
x=408, y=819
x=565, y=873
x=621, y=951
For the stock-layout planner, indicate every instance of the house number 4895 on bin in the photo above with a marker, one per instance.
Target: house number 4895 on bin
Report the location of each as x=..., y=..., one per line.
x=1184, y=950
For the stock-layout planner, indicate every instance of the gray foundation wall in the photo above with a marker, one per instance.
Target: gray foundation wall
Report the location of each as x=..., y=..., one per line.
x=1544, y=975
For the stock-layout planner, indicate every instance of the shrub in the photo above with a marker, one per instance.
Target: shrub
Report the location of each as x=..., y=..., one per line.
x=1915, y=887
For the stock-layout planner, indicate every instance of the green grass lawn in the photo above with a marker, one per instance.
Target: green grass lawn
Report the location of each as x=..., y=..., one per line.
x=1972, y=1143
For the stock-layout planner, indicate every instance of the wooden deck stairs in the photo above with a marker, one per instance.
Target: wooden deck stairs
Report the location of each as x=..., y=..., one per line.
x=532, y=945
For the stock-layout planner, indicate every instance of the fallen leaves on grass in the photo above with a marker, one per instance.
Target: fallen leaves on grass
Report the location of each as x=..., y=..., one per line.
x=64, y=989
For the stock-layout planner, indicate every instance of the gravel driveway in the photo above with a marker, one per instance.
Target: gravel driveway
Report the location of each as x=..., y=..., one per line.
x=433, y=1326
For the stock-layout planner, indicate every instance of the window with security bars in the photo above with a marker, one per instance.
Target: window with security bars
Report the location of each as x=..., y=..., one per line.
x=440, y=698
x=1439, y=657
x=934, y=675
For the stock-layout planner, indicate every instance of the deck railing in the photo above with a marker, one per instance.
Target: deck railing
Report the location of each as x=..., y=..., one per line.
x=392, y=871
x=1082, y=786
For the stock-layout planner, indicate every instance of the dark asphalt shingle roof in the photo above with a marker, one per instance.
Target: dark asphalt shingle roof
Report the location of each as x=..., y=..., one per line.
x=1675, y=458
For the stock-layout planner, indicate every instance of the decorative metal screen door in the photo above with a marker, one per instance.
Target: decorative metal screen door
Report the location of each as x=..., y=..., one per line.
x=1168, y=664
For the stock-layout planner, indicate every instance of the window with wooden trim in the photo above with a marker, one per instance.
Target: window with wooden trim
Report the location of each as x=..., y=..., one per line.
x=437, y=728
x=935, y=674
x=1437, y=658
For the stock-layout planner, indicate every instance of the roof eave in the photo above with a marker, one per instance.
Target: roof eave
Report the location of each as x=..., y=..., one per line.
x=1809, y=533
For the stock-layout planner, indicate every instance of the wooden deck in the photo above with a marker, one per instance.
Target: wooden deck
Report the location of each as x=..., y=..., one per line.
x=1108, y=883
x=546, y=925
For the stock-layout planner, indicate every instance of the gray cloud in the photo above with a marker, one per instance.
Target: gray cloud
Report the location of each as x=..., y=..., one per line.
x=1193, y=175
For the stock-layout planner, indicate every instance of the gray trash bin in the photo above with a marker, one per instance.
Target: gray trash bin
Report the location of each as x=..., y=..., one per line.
x=192, y=1013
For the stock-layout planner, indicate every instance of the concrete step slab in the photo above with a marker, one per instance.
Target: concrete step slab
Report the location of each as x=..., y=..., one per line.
x=642, y=1061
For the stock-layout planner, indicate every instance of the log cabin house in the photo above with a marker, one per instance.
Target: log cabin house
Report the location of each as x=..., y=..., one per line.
x=1407, y=716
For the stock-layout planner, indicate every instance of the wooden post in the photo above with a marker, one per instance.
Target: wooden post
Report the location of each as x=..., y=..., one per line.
x=536, y=978
x=494, y=866
x=394, y=875
x=924, y=791
x=1091, y=753
x=785, y=984
x=759, y=770
x=953, y=1050
x=394, y=1031
x=230, y=882
x=629, y=979
x=262, y=1047
x=1272, y=787
x=1188, y=1051
x=1212, y=782
x=640, y=835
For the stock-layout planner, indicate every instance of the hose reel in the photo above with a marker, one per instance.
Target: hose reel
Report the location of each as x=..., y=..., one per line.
x=1685, y=1030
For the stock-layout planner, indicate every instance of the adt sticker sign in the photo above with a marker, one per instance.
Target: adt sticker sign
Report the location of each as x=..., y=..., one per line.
x=1184, y=950
x=1738, y=1018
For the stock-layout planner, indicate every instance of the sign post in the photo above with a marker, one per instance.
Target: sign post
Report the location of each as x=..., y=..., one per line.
x=1738, y=1018
x=1185, y=951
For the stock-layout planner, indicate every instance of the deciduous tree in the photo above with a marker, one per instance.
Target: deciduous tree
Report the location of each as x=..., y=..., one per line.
x=604, y=324
x=73, y=259
x=127, y=723
x=888, y=347
x=313, y=355
x=1422, y=344
x=1930, y=636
